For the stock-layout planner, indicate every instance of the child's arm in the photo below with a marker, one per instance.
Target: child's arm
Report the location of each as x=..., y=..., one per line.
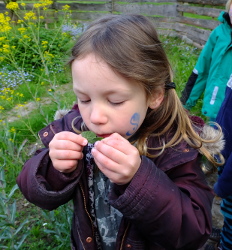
x=171, y=209
x=171, y=206
x=42, y=181
x=196, y=83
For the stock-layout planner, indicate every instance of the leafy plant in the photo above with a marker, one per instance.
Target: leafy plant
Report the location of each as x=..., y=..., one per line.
x=91, y=136
x=10, y=233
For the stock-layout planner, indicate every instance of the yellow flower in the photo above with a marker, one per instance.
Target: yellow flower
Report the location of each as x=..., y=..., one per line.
x=12, y=130
x=12, y=6
x=47, y=54
x=4, y=23
x=2, y=38
x=1, y=107
x=22, y=30
x=37, y=99
x=6, y=48
x=19, y=105
x=23, y=4
x=66, y=7
x=37, y=5
x=29, y=15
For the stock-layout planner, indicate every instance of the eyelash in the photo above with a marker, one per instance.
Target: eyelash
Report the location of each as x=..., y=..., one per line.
x=112, y=103
x=116, y=103
x=84, y=102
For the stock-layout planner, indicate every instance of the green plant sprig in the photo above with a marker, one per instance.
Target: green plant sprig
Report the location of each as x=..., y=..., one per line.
x=91, y=136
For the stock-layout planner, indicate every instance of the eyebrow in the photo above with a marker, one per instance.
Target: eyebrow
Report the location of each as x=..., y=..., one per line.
x=108, y=92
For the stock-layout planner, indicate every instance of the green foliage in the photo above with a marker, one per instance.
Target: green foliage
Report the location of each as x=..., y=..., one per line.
x=91, y=136
x=33, y=46
x=11, y=236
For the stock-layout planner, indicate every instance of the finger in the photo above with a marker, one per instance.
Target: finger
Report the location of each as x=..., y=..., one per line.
x=104, y=150
x=65, y=144
x=103, y=162
x=65, y=155
x=70, y=136
x=69, y=166
x=118, y=142
x=115, y=172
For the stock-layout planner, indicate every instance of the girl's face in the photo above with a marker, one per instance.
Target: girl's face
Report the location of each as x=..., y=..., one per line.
x=107, y=101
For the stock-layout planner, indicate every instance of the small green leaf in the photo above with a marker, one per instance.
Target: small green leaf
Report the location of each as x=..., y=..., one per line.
x=91, y=136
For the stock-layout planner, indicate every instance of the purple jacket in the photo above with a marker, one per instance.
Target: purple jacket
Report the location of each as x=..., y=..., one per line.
x=167, y=205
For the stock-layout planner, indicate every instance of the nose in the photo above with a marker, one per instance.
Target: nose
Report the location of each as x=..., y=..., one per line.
x=98, y=115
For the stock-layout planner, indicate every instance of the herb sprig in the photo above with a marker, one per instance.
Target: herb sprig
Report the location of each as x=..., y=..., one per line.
x=91, y=136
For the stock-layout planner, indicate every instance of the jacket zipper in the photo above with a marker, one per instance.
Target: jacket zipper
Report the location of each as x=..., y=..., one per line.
x=124, y=235
x=83, y=194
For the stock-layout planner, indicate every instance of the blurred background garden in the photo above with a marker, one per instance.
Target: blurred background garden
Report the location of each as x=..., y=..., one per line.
x=35, y=82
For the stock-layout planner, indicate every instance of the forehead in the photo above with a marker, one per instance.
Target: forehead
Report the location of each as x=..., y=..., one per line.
x=90, y=63
x=92, y=71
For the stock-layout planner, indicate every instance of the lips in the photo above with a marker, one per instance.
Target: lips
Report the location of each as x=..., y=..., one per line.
x=104, y=135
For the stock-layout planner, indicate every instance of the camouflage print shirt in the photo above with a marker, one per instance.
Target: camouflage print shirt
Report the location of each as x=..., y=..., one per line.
x=106, y=218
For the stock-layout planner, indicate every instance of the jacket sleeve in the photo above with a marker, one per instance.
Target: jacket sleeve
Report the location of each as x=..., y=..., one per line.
x=39, y=181
x=223, y=186
x=172, y=209
x=196, y=83
x=188, y=87
x=43, y=185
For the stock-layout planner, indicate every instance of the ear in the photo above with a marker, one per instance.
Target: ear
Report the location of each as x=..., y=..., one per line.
x=156, y=99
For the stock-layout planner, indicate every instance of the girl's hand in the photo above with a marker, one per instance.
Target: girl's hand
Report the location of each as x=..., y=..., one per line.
x=65, y=151
x=116, y=158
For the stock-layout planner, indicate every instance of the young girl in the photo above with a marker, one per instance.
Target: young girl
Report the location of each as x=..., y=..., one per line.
x=141, y=186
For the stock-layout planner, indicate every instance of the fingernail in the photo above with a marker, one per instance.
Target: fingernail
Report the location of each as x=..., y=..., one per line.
x=85, y=142
x=93, y=150
x=95, y=144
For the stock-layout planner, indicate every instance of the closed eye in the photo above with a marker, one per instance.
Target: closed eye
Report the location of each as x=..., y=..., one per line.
x=116, y=103
x=84, y=101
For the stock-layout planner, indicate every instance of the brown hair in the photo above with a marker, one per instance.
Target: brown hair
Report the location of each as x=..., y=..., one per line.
x=130, y=45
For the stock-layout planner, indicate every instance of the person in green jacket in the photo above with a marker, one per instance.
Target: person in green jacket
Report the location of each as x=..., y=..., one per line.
x=212, y=70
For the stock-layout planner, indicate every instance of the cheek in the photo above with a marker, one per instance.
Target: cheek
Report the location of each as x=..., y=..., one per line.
x=133, y=124
x=84, y=115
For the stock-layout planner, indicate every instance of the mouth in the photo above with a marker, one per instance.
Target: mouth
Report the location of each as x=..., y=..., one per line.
x=104, y=135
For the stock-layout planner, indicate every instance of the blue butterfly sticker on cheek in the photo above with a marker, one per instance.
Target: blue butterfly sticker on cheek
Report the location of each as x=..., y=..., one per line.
x=134, y=121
